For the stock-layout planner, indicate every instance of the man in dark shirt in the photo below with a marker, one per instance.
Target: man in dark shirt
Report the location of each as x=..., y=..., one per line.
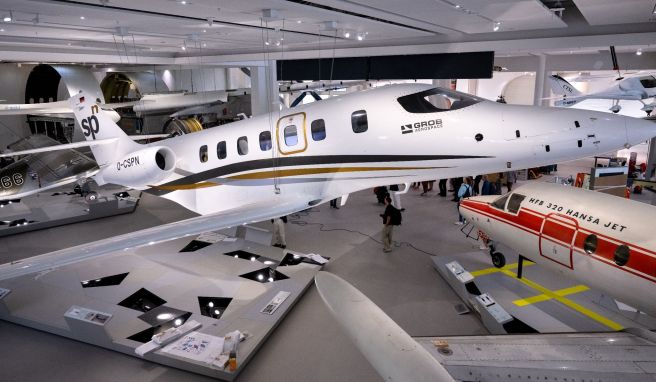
x=388, y=227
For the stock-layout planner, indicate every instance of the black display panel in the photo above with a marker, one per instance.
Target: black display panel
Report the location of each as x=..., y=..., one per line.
x=399, y=67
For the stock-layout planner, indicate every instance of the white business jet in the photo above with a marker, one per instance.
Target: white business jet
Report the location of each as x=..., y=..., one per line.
x=638, y=87
x=286, y=161
x=601, y=240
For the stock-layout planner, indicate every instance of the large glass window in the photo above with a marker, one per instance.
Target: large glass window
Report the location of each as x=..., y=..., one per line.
x=242, y=145
x=436, y=100
x=265, y=140
x=515, y=202
x=203, y=153
x=221, y=150
x=291, y=136
x=359, y=121
x=318, y=128
x=500, y=203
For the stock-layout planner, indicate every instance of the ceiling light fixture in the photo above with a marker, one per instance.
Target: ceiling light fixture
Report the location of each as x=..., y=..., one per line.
x=2, y=29
x=183, y=47
x=458, y=6
x=639, y=52
x=82, y=17
x=496, y=26
x=360, y=36
x=7, y=19
x=347, y=34
x=184, y=2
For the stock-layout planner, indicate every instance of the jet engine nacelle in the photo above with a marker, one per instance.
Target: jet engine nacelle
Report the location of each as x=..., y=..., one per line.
x=139, y=169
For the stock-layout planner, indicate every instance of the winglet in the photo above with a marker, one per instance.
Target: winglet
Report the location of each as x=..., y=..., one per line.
x=389, y=349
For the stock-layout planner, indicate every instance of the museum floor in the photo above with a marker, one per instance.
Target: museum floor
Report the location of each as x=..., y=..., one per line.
x=308, y=344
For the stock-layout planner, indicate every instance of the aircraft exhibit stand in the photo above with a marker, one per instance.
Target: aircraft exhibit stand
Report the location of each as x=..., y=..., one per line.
x=203, y=304
x=507, y=305
x=62, y=206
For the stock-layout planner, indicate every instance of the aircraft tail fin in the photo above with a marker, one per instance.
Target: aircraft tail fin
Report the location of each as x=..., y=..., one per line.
x=389, y=349
x=97, y=125
x=561, y=86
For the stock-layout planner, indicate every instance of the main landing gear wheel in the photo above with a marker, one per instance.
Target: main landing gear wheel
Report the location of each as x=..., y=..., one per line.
x=498, y=259
x=91, y=196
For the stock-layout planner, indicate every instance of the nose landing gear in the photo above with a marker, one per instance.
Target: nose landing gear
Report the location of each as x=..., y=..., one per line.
x=498, y=259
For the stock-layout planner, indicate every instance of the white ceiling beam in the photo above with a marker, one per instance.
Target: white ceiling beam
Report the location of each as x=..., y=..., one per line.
x=510, y=47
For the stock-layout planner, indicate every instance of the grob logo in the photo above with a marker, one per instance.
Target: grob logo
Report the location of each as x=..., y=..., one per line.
x=421, y=126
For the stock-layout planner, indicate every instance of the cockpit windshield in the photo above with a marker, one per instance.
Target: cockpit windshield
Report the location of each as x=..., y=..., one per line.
x=437, y=100
x=648, y=82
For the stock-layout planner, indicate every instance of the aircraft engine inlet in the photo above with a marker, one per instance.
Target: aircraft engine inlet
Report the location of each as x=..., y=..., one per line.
x=140, y=169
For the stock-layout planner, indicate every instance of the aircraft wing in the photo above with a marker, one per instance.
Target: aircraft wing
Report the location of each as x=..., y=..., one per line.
x=66, y=146
x=277, y=205
x=389, y=349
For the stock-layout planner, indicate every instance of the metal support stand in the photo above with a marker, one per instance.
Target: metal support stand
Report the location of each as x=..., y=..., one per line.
x=520, y=266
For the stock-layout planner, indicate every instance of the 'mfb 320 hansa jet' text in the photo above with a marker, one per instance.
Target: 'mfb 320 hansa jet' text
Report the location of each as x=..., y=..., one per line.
x=288, y=160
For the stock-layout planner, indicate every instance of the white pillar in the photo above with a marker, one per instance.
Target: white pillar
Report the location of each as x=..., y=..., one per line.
x=264, y=89
x=540, y=77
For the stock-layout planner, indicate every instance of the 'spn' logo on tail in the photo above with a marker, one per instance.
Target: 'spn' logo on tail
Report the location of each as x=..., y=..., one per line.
x=90, y=125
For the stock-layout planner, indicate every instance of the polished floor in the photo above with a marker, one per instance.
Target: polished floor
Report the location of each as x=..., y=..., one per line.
x=308, y=344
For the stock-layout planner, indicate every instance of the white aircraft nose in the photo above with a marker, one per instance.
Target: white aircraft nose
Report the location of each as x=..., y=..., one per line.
x=639, y=130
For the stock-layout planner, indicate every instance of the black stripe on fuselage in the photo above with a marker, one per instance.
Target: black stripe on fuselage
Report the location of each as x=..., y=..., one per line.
x=260, y=164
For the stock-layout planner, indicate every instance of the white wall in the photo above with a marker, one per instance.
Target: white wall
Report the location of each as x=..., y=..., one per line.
x=491, y=88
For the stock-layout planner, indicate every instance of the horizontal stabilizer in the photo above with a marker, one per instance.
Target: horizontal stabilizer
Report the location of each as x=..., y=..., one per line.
x=66, y=146
x=389, y=349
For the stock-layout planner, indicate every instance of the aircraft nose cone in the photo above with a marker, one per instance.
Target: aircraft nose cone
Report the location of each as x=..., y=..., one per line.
x=639, y=130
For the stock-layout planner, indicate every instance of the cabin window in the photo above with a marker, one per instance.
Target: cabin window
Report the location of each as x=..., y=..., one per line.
x=242, y=145
x=590, y=244
x=517, y=133
x=478, y=137
x=514, y=202
x=579, y=143
x=436, y=100
x=265, y=141
x=291, y=136
x=548, y=148
x=621, y=255
x=318, y=128
x=500, y=203
x=359, y=121
x=221, y=151
x=577, y=124
x=203, y=153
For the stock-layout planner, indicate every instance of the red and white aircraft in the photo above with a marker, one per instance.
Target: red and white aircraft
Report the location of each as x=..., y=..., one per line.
x=601, y=240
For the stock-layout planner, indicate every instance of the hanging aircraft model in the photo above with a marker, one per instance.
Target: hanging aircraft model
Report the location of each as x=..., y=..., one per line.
x=601, y=240
x=57, y=109
x=286, y=161
x=638, y=87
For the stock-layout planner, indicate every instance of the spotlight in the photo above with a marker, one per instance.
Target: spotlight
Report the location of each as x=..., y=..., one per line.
x=184, y=2
x=2, y=30
x=360, y=36
x=82, y=17
x=267, y=42
x=164, y=316
x=639, y=52
x=183, y=47
x=210, y=304
x=496, y=26
x=177, y=322
x=458, y=6
x=217, y=312
x=270, y=279
x=260, y=277
x=7, y=19
x=347, y=34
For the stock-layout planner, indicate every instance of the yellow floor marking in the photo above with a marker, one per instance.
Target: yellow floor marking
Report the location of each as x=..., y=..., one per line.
x=544, y=297
x=487, y=271
x=567, y=302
